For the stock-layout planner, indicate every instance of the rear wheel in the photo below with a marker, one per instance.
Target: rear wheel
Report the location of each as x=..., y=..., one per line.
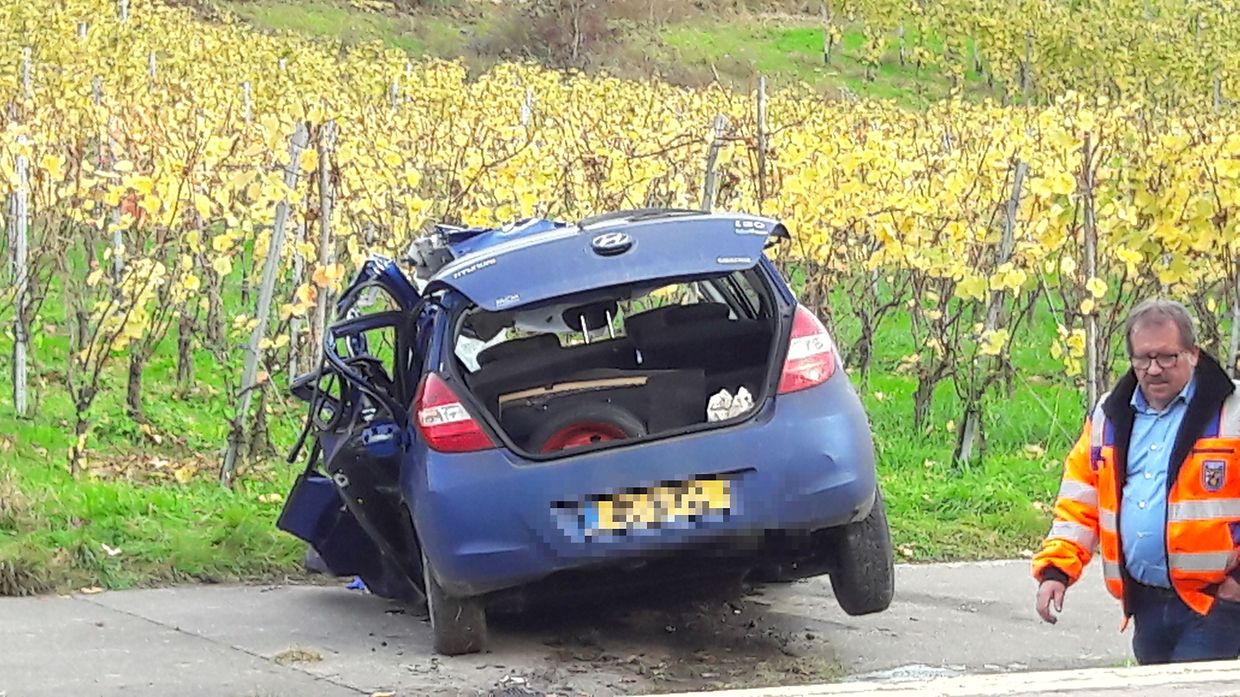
x=458, y=624
x=863, y=577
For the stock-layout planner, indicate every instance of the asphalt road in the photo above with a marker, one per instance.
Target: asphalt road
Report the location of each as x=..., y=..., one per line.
x=265, y=641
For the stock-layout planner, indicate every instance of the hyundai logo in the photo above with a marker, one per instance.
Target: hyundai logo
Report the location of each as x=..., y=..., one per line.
x=611, y=243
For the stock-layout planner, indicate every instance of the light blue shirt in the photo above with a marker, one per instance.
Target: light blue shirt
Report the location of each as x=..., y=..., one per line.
x=1143, y=510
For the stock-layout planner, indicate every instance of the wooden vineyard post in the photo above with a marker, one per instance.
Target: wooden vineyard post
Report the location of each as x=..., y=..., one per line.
x=828, y=36
x=265, y=292
x=1233, y=348
x=21, y=222
x=295, y=323
x=710, y=188
x=246, y=106
x=111, y=218
x=1091, y=271
x=326, y=145
x=527, y=107
x=118, y=239
x=972, y=428
x=1026, y=69
x=762, y=145
x=10, y=233
x=27, y=74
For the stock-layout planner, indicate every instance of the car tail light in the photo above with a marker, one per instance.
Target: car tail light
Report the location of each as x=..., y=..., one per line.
x=444, y=422
x=811, y=354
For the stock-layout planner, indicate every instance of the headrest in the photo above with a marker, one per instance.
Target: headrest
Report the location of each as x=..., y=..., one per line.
x=518, y=347
x=675, y=315
x=596, y=315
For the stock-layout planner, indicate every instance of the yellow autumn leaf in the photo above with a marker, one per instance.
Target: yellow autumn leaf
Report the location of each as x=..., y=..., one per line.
x=325, y=276
x=202, y=205
x=54, y=165
x=972, y=288
x=222, y=265
x=144, y=185
x=1096, y=287
x=305, y=294
x=993, y=341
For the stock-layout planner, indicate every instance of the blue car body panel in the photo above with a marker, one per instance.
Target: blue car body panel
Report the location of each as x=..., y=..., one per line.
x=492, y=519
x=488, y=520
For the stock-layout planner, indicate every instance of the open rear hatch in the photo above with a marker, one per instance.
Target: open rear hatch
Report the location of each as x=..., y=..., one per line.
x=618, y=330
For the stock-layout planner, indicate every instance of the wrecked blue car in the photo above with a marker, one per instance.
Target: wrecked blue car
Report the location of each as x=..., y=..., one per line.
x=635, y=397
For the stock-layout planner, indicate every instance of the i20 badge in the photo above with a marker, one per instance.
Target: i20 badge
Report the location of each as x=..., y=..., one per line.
x=1213, y=474
x=611, y=243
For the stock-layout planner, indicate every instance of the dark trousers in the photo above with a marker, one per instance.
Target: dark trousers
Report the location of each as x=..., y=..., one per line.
x=1168, y=631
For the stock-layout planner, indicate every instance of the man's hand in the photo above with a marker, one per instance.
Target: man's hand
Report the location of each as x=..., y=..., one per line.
x=1052, y=590
x=1229, y=590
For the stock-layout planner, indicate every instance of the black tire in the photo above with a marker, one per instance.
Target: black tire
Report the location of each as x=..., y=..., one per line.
x=594, y=412
x=863, y=578
x=459, y=625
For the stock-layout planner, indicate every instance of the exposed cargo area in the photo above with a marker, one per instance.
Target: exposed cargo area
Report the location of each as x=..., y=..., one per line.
x=623, y=363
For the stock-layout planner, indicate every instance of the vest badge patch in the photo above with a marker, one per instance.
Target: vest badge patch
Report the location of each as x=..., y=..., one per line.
x=1213, y=474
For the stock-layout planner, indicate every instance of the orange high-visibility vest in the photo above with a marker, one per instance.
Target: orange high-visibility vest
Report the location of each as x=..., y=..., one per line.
x=1203, y=499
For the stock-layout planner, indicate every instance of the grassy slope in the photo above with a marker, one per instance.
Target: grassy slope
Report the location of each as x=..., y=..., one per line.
x=996, y=508
x=53, y=530
x=692, y=51
x=791, y=51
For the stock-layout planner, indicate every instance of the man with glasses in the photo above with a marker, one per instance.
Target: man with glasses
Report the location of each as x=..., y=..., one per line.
x=1154, y=481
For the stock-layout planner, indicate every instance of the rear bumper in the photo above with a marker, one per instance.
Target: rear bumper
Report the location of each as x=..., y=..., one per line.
x=488, y=520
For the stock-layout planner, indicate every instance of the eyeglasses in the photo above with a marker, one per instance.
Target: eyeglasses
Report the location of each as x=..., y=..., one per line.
x=1165, y=361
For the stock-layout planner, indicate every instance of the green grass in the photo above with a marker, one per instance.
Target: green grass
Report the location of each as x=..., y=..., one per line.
x=787, y=52
x=56, y=531
x=337, y=21
x=996, y=507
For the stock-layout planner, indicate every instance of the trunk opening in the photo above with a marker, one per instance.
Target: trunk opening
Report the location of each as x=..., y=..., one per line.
x=619, y=365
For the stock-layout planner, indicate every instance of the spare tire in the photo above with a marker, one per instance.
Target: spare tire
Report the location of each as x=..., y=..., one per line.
x=585, y=424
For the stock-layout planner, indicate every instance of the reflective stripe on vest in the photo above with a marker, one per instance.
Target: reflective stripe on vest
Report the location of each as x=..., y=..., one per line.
x=1106, y=520
x=1204, y=509
x=1200, y=561
x=1074, y=532
x=1110, y=570
x=1079, y=492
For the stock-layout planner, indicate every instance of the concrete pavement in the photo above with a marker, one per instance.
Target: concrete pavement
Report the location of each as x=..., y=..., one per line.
x=234, y=641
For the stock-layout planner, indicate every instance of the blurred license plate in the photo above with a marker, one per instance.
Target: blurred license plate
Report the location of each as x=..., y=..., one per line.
x=659, y=506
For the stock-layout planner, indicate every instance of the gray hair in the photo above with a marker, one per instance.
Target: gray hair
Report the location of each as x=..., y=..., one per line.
x=1158, y=311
